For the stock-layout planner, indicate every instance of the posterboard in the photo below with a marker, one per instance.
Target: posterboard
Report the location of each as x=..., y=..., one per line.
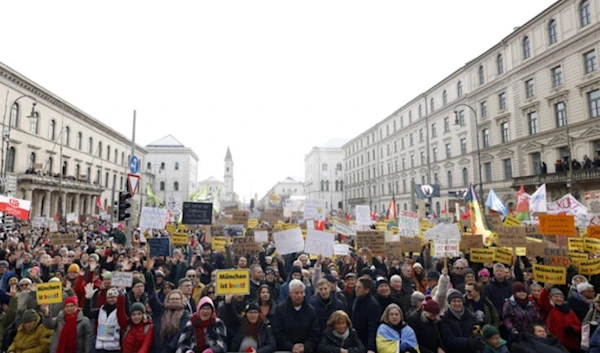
x=159, y=247
x=153, y=218
x=122, y=279
x=180, y=238
x=171, y=228
x=372, y=239
x=341, y=249
x=52, y=226
x=363, y=215
x=64, y=238
x=236, y=282
x=218, y=243
x=589, y=267
x=240, y=217
x=233, y=230
x=289, y=241
x=446, y=247
x=550, y=274
x=442, y=230
x=512, y=236
x=557, y=225
x=197, y=213
x=482, y=256
x=71, y=217
x=261, y=236
x=341, y=228
x=319, y=243
x=39, y=222
x=408, y=226
x=315, y=210
x=593, y=232
x=49, y=293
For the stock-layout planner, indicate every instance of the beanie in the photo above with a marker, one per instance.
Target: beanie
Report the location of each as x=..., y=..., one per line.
x=330, y=278
x=137, y=306
x=582, y=287
x=454, y=294
x=107, y=275
x=468, y=271
x=37, y=269
x=556, y=291
x=416, y=264
x=71, y=300
x=433, y=276
x=29, y=315
x=490, y=331
x=73, y=268
x=483, y=272
x=253, y=306
x=518, y=287
x=296, y=269
x=159, y=273
x=136, y=281
x=381, y=281
x=431, y=306
x=112, y=292
x=366, y=271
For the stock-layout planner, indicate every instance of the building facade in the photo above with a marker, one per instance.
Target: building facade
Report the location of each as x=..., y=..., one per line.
x=175, y=168
x=535, y=96
x=277, y=196
x=324, y=174
x=59, y=157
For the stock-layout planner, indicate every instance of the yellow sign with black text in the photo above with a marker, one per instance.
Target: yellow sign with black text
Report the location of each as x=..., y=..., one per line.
x=179, y=238
x=576, y=244
x=550, y=274
x=503, y=255
x=589, y=267
x=49, y=293
x=236, y=282
x=218, y=243
x=511, y=221
x=482, y=256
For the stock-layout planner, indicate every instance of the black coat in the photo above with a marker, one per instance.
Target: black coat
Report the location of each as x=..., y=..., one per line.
x=404, y=298
x=291, y=327
x=325, y=309
x=427, y=332
x=266, y=339
x=331, y=344
x=528, y=343
x=456, y=334
x=498, y=292
x=384, y=302
x=580, y=308
x=366, y=316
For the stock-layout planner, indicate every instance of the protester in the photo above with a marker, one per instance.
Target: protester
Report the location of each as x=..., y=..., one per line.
x=458, y=325
x=519, y=312
x=394, y=335
x=255, y=334
x=72, y=330
x=366, y=314
x=498, y=289
x=325, y=303
x=204, y=331
x=339, y=336
x=139, y=333
x=32, y=336
x=583, y=300
x=562, y=322
x=425, y=324
x=493, y=342
x=537, y=340
x=480, y=305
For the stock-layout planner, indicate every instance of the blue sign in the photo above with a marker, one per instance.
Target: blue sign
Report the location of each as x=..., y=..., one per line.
x=134, y=164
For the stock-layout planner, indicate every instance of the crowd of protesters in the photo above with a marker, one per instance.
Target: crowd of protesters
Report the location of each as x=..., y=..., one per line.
x=358, y=303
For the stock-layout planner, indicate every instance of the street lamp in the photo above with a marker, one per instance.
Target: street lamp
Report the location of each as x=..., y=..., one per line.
x=457, y=122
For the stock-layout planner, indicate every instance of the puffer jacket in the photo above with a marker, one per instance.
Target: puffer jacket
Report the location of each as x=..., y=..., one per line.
x=37, y=341
x=85, y=334
x=528, y=343
x=457, y=333
x=138, y=338
x=332, y=344
x=266, y=340
x=518, y=318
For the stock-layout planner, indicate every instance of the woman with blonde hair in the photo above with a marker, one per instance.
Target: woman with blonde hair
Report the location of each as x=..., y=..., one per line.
x=169, y=320
x=339, y=336
x=394, y=335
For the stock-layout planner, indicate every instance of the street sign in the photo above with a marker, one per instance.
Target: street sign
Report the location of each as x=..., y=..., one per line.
x=134, y=164
x=133, y=182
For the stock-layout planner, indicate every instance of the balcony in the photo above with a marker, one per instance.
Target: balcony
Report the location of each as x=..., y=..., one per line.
x=358, y=201
x=54, y=181
x=579, y=176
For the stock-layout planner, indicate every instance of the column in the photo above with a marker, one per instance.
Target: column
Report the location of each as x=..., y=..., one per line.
x=91, y=204
x=28, y=195
x=76, y=204
x=47, y=199
x=39, y=202
x=63, y=204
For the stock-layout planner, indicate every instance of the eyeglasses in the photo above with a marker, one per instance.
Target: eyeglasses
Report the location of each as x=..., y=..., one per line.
x=211, y=293
x=24, y=285
x=191, y=276
x=459, y=268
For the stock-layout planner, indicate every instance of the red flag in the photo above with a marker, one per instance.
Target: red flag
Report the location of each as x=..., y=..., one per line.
x=445, y=209
x=99, y=204
x=392, y=208
x=56, y=216
x=348, y=216
x=320, y=225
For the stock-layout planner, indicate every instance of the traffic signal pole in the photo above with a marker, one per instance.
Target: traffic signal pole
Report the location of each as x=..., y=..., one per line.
x=129, y=220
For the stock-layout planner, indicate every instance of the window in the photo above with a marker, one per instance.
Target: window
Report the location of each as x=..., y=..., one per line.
x=401, y=122
x=100, y=149
x=483, y=107
x=31, y=163
x=52, y=130
x=449, y=176
x=121, y=183
x=323, y=167
x=108, y=153
x=404, y=185
x=162, y=165
x=421, y=135
x=499, y=64
x=65, y=169
x=433, y=130
x=106, y=180
x=463, y=146
x=14, y=115
x=149, y=166
x=481, y=75
x=557, y=79
x=552, y=32
x=176, y=186
x=432, y=105
x=465, y=177
x=536, y=163
x=50, y=163
x=594, y=99
x=446, y=124
x=402, y=143
x=122, y=158
x=526, y=48
x=584, y=13
x=487, y=167
x=589, y=59
x=435, y=154
x=394, y=125
x=448, y=151
x=395, y=146
x=423, y=158
x=338, y=166
x=461, y=118
x=403, y=163
x=78, y=142
x=387, y=130
x=507, y=168
x=529, y=88
x=420, y=112
x=116, y=155
x=444, y=98
x=77, y=171
x=502, y=101
x=67, y=136
x=176, y=165
x=486, y=138
x=504, y=131
x=412, y=161
x=91, y=146
x=560, y=110
x=532, y=122
x=162, y=186
x=34, y=123
x=395, y=166
x=10, y=160
x=411, y=140
x=459, y=89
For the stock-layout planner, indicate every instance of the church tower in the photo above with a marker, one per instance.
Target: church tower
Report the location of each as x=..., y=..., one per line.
x=228, y=177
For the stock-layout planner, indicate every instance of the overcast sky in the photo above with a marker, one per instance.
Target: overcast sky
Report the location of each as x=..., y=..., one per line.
x=270, y=79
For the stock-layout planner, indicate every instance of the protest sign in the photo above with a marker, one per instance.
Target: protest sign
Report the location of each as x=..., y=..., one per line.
x=52, y=226
x=49, y=293
x=153, y=218
x=269, y=217
x=394, y=249
x=470, y=241
x=341, y=249
x=521, y=251
x=171, y=228
x=363, y=215
x=593, y=232
x=240, y=217
x=372, y=239
x=442, y=230
x=495, y=220
x=342, y=228
x=536, y=248
x=197, y=213
x=236, y=282
x=319, y=243
x=556, y=257
x=159, y=247
x=390, y=237
x=315, y=210
x=550, y=274
x=71, y=218
x=511, y=236
x=252, y=223
x=180, y=238
x=218, y=243
x=233, y=230
x=39, y=222
x=408, y=226
x=245, y=246
x=503, y=255
x=289, y=241
x=591, y=245
x=511, y=221
x=410, y=244
x=557, y=225
x=446, y=247
x=261, y=236
x=576, y=243
x=122, y=279
x=482, y=256
x=425, y=225
x=64, y=238
x=577, y=257
x=589, y=267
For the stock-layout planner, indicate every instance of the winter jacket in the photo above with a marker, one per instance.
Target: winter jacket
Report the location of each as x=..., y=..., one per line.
x=37, y=341
x=592, y=315
x=427, y=331
x=266, y=341
x=498, y=292
x=579, y=306
x=330, y=343
x=389, y=340
x=403, y=301
x=85, y=335
x=491, y=316
x=557, y=321
x=528, y=343
x=384, y=302
x=7, y=317
x=138, y=338
x=284, y=293
x=292, y=326
x=502, y=349
x=518, y=318
x=324, y=309
x=215, y=338
x=366, y=316
x=457, y=333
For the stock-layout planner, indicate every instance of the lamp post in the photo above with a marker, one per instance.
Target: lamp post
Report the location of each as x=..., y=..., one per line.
x=570, y=161
x=6, y=134
x=457, y=122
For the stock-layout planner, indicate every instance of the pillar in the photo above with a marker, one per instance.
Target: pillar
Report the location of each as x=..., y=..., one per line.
x=76, y=204
x=47, y=200
x=63, y=204
x=91, y=204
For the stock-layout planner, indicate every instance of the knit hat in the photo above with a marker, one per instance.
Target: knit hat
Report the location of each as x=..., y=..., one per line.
x=137, y=306
x=490, y=331
x=366, y=271
x=350, y=274
x=29, y=315
x=112, y=292
x=252, y=307
x=159, y=273
x=433, y=275
x=25, y=281
x=330, y=278
x=296, y=269
x=71, y=300
x=431, y=306
x=54, y=279
x=416, y=264
x=582, y=287
x=518, y=287
x=95, y=257
x=483, y=272
x=206, y=301
x=381, y=281
x=269, y=270
x=136, y=281
x=37, y=268
x=556, y=291
x=4, y=263
x=454, y=294
x=468, y=271
x=73, y=268
x=107, y=275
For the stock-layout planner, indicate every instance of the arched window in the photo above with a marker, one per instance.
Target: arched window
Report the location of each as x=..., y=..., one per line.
x=449, y=178
x=64, y=168
x=100, y=149
x=341, y=185
x=89, y=175
x=552, y=32
x=500, y=64
x=67, y=136
x=327, y=185
x=526, y=48
x=162, y=165
x=337, y=186
x=98, y=181
x=34, y=123
x=322, y=185
x=465, y=177
x=585, y=15
x=52, y=130
x=49, y=165
x=114, y=181
x=108, y=153
x=459, y=89
x=106, y=180
x=121, y=184
x=116, y=155
x=31, y=163
x=10, y=160
x=432, y=105
x=123, y=158
x=444, y=98
x=149, y=166
x=481, y=75
x=91, y=145
x=14, y=115
x=176, y=165
x=176, y=186
x=162, y=186
x=78, y=143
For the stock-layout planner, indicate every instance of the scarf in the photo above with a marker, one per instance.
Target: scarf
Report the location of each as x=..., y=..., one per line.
x=67, y=341
x=589, y=302
x=252, y=330
x=171, y=318
x=343, y=336
x=564, y=308
x=200, y=327
x=457, y=314
x=109, y=308
x=522, y=302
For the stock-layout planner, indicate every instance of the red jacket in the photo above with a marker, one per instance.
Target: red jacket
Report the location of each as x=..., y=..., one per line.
x=557, y=321
x=138, y=338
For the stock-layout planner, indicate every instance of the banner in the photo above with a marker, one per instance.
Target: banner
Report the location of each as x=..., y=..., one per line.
x=236, y=282
x=550, y=274
x=49, y=293
x=426, y=191
x=589, y=267
x=16, y=207
x=567, y=205
x=557, y=225
x=482, y=256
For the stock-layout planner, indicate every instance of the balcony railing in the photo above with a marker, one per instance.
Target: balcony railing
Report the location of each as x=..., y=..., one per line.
x=67, y=183
x=582, y=175
x=358, y=201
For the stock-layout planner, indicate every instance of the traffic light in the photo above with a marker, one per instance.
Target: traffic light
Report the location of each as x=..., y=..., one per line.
x=124, y=204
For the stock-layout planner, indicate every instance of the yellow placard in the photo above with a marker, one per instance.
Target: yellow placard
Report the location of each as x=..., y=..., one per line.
x=511, y=221
x=550, y=274
x=252, y=223
x=171, y=228
x=394, y=230
x=482, y=256
x=593, y=232
x=218, y=243
x=577, y=257
x=576, y=243
x=180, y=238
x=551, y=224
x=381, y=226
x=49, y=293
x=235, y=282
x=503, y=255
x=589, y=267
x=521, y=251
x=182, y=227
x=591, y=245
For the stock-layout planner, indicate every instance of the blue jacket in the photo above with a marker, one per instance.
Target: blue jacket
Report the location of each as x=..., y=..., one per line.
x=498, y=292
x=325, y=309
x=366, y=316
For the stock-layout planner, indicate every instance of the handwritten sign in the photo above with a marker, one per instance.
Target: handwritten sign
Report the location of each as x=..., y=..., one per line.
x=344, y=229
x=49, y=293
x=218, y=243
x=470, y=241
x=319, y=243
x=252, y=223
x=557, y=225
x=482, y=256
x=363, y=215
x=289, y=241
x=550, y=274
x=153, y=218
x=245, y=246
x=159, y=247
x=180, y=238
x=591, y=245
x=71, y=217
x=410, y=244
x=408, y=226
x=503, y=255
x=576, y=244
x=373, y=239
x=446, y=247
x=64, y=238
x=577, y=257
x=511, y=236
x=341, y=249
x=589, y=267
x=122, y=279
x=197, y=213
x=240, y=217
x=315, y=210
x=269, y=217
x=442, y=230
x=261, y=236
x=593, y=232
x=511, y=221
x=171, y=228
x=236, y=282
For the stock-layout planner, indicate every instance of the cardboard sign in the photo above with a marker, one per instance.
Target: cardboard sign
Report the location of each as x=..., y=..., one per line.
x=589, y=267
x=482, y=256
x=240, y=217
x=373, y=239
x=341, y=249
x=122, y=279
x=576, y=244
x=550, y=274
x=511, y=221
x=503, y=255
x=252, y=223
x=446, y=247
x=64, y=238
x=171, y=228
x=289, y=241
x=180, y=238
x=511, y=236
x=236, y=282
x=218, y=243
x=319, y=243
x=159, y=247
x=593, y=232
x=197, y=213
x=394, y=249
x=469, y=241
x=495, y=220
x=557, y=225
x=234, y=230
x=245, y=246
x=269, y=218
x=410, y=244
x=49, y=293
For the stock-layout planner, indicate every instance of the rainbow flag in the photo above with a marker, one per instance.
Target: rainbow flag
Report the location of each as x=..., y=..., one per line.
x=478, y=226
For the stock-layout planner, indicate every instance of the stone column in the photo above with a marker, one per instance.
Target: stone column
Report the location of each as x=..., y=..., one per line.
x=28, y=195
x=63, y=204
x=47, y=199
x=77, y=198
x=91, y=204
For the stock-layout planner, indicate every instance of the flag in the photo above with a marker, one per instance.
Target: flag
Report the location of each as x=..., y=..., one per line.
x=99, y=204
x=16, y=207
x=477, y=221
x=494, y=203
x=392, y=208
x=537, y=202
x=445, y=209
x=522, y=204
x=348, y=216
x=426, y=191
x=199, y=195
x=150, y=197
x=459, y=194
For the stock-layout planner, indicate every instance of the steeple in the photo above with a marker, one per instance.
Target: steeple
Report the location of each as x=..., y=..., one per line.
x=228, y=177
x=228, y=155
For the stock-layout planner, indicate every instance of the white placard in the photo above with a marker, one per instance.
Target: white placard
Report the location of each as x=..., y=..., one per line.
x=310, y=224
x=319, y=243
x=341, y=249
x=446, y=247
x=408, y=226
x=153, y=218
x=315, y=210
x=39, y=222
x=122, y=279
x=105, y=216
x=289, y=241
x=390, y=237
x=363, y=215
x=53, y=227
x=261, y=236
x=442, y=231
x=341, y=228
x=72, y=217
